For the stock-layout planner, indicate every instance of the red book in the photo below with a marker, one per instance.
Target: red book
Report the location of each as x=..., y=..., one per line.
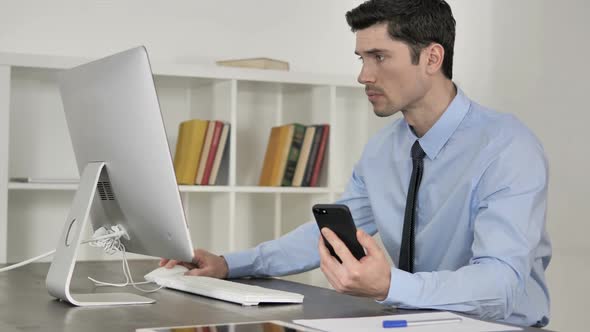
x=212, y=152
x=321, y=151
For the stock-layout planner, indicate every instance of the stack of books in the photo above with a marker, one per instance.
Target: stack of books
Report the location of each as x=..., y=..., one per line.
x=201, y=151
x=294, y=155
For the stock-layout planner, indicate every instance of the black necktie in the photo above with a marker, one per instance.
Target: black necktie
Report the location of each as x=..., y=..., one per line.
x=406, y=255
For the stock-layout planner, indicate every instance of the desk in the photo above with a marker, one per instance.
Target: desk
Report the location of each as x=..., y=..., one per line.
x=25, y=304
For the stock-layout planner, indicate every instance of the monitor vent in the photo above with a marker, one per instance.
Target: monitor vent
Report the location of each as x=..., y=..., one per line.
x=105, y=191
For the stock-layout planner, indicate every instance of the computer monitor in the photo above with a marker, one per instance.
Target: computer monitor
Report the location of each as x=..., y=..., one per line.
x=127, y=175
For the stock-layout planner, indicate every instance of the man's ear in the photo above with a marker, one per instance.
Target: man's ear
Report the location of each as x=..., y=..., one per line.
x=434, y=55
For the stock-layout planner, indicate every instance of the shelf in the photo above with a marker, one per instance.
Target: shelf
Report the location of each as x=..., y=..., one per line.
x=273, y=190
x=41, y=186
x=187, y=70
x=184, y=188
x=234, y=215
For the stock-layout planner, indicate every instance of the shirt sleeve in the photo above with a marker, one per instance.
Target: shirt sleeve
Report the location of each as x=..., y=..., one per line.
x=297, y=251
x=508, y=221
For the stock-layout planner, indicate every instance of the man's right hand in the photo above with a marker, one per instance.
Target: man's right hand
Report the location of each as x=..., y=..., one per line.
x=204, y=264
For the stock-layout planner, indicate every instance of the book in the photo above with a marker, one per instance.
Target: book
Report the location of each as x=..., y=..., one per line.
x=293, y=156
x=260, y=63
x=218, y=127
x=303, y=156
x=205, y=153
x=285, y=139
x=270, y=157
x=320, y=158
x=313, y=154
x=191, y=135
x=222, y=154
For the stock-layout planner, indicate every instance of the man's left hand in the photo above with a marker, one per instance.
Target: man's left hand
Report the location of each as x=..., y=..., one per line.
x=368, y=277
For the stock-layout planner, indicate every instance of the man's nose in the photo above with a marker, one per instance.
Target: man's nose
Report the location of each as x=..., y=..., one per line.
x=366, y=75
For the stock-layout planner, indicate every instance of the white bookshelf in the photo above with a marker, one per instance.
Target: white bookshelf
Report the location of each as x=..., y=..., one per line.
x=187, y=189
x=34, y=142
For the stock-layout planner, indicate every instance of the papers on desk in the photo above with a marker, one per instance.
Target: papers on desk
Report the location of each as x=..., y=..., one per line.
x=376, y=323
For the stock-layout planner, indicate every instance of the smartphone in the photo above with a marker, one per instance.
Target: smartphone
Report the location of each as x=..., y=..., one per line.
x=337, y=218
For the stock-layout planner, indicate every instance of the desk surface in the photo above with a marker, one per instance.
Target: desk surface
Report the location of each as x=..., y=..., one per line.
x=26, y=305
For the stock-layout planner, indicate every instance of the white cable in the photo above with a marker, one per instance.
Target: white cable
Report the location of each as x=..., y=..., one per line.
x=49, y=253
x=111, y=246
x=126, y=271
x=14, y=266
x=110, y=241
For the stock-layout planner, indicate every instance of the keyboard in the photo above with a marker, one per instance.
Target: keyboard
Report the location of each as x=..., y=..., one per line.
x=247, y=295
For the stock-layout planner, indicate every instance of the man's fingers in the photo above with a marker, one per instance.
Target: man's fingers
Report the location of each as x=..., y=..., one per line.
x=198, y=256
x=339, y=247
x=332, y=278
x=171, y=263
x=325, y=253
x=189, y=266
x=197, y=272
x=322, y=248
x=326, y=258
x=369, y=243
x=328, y=265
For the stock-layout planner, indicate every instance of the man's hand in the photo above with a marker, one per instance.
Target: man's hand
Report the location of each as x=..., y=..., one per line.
x=369, y=277
x=204, y=264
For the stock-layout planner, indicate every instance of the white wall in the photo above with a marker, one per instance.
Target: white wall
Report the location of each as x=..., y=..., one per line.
x=312, y=35
x=534, y=59
x=527, y=57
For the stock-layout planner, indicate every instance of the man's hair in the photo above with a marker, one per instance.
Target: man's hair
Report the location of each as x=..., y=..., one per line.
x=418, y=23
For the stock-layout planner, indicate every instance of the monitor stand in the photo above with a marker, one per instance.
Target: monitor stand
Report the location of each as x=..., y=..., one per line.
x=60, y=273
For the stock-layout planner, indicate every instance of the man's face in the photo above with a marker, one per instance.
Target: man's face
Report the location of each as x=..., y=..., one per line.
x=391, y=81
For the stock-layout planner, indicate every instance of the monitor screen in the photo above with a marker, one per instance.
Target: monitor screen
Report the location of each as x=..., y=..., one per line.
x=113, y=116
x=127, y=175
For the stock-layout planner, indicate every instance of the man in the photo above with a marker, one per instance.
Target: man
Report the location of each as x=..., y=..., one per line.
x=457, y=191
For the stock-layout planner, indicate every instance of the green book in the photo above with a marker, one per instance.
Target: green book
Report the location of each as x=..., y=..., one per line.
x=296, y=143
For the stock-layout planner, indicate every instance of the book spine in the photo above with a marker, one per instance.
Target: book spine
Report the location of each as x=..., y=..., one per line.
x=220, y=153
x=298, y=135
x=278, y=171
x=303, y=156
x=212, y=152
x=270, y=157
x=205, y=153
x=222, y=176
x=320, y=159
x=180, y=158
x=191, y=135
x=312, y=156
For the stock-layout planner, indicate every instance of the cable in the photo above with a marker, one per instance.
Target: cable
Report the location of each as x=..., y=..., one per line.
x=14, y=266
x=110, y=241
x=111, y=246
x=49, y=253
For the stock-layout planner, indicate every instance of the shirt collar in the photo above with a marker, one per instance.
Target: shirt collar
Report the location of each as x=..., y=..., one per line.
x=435, y=138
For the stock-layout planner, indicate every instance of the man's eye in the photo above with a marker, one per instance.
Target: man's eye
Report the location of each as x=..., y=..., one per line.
x=379, y=57
x=361, y=59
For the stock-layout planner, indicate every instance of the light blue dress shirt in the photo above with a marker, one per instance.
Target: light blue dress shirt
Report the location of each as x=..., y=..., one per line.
x=481, y=245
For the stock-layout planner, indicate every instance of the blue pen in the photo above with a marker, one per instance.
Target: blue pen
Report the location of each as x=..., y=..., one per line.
x=405, y=323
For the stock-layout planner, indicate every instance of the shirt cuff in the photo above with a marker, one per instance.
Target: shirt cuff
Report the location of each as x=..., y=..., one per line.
x=404, y=288
x=240, y=264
